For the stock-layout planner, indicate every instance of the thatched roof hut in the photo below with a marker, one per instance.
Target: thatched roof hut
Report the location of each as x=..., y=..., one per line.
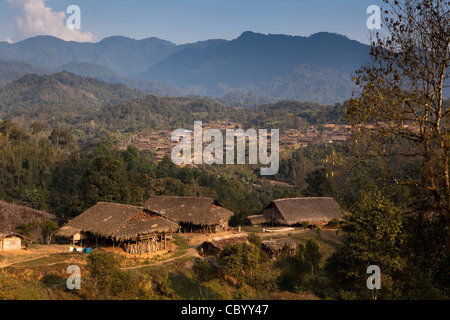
x=291, y=211
x=217, y=244
x=117, y=221
x=190, y=210
x=11, y=241
x=274, y=247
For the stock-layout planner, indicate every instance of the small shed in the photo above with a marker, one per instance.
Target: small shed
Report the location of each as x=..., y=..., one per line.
x=274, y=247
x=257, y=219
x=12, y=241
x=217, y=244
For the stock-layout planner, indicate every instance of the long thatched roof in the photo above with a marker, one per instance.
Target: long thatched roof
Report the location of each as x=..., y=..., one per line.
x=198, y=211
x=314, y=210
x=118, y=221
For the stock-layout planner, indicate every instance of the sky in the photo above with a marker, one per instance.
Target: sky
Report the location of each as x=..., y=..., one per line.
x=183, y=21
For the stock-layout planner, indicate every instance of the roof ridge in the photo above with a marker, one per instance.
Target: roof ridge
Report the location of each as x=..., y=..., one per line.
x=119, y=204
x=297, y=198
x=184, y=197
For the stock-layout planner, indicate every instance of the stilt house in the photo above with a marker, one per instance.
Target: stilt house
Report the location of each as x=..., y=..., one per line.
x=136, y=229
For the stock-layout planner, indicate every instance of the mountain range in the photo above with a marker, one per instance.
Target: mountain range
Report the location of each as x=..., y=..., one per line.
x=317, y=68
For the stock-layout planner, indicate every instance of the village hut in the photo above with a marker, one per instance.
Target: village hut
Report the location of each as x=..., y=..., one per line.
x=274, y=247
x=12, y=241
x=217, y=244
x=191, y=213
x=13, y=215
x=138, y=230
x=257, y=219
x=316, y=211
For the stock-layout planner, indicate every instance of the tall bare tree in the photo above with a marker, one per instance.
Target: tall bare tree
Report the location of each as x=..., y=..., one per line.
x=401, y=107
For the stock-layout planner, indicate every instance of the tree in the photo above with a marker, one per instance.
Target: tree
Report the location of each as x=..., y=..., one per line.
x=402, y=99
x=37, y=128
x=255, y=239
x=109, y=281
x=312, y=254
x=293, y=269
x=203, y=271
x=26, y=228
x=104, y=180
x=49, y=229
x=239, y=260
x=319, y=184
x=373, y=235
x=6, y=127
x=60, y=137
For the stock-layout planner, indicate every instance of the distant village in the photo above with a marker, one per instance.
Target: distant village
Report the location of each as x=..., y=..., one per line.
x=160, y=141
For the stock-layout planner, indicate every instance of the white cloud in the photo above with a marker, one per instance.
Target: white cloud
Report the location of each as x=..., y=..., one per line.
x=35, y=18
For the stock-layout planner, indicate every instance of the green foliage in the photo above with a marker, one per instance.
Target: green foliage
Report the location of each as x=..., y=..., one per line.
x=49, y=229
x=373, y=235
x=203, y=271
x=253, y=238
x=163, y=287
x=312, y=254
x=105, y=180
x=239, y=260
x=50, y=95
x=294, y=270
x=27, y=227
x=320, y=184
x=109, y=281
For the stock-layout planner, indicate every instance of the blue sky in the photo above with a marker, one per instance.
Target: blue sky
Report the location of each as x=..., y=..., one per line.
x=185, y=21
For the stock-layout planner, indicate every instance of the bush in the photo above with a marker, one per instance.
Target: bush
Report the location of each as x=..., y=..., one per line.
x=164, y=288
x=109, y=281
x=239, y=260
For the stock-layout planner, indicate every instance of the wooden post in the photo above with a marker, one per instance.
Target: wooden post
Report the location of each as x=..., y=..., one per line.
x=273, y=214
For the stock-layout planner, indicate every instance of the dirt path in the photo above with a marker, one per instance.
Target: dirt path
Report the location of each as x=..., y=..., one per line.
x=192, y=251
x=21, y=261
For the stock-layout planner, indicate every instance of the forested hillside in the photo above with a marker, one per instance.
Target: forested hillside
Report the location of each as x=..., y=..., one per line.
x=59, y=97
x=91, y=108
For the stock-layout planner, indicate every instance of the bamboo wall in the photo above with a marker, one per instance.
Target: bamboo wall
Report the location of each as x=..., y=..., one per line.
x=152, y=244
x=10, y=243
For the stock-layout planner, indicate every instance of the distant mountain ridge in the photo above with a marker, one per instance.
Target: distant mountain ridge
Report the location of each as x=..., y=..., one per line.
x=316, y=68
